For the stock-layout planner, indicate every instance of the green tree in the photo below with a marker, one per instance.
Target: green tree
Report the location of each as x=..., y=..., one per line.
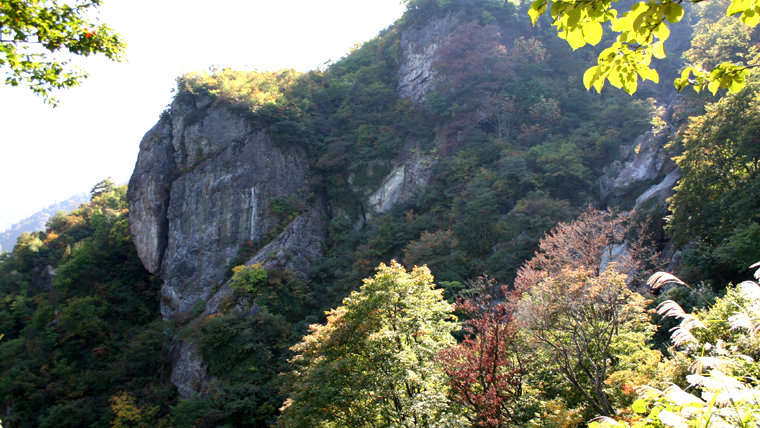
x=373, y=364
x=33, y=31
x=716, y=200
x=642, y=32
x=584, y=326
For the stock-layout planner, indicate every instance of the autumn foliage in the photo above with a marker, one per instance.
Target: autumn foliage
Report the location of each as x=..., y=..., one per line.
x=486, y=369
x=591, y=242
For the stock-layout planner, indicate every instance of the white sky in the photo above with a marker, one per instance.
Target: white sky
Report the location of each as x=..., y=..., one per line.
x=50, y=154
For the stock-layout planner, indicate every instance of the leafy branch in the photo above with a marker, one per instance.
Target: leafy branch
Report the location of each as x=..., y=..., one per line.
x=642, y=33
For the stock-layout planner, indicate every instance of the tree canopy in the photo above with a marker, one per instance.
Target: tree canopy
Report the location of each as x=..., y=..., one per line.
x=373, y=363
x=32, y=32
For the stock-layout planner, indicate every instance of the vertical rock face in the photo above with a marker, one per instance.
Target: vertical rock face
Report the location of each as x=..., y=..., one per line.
x=189, y=371
x=296, y=249
x=406, y=178
x=415, y=75
x=148, y=194
x=201, y=188
x=644, y=162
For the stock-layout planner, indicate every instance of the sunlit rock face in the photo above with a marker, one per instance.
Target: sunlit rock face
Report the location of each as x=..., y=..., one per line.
x=201, y=188
x=644, y=163
x=407, y=177
x=416, y=73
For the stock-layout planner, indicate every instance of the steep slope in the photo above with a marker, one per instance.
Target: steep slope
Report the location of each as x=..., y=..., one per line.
x=37, y=220
x=456, y=139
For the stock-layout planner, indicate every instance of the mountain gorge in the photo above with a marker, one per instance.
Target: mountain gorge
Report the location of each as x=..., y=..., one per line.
x=457, y=139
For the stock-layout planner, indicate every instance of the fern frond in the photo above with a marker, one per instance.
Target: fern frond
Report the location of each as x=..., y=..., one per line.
x=681, y=397
x=648, y=391
x=607, y=422
x=743, y=320
x=751, y=291
x=716, y=381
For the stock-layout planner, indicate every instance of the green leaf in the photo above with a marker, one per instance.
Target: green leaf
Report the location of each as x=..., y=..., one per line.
x=713, y=86
x=537, y=8
x=622, y=24
x=534, y=14
x=735, y=7
x=662, y=31
x=592, y=33
x=638, y=9
x=653, y=75
x=589, y=75
x=615, y=79
x=658, y=50
x=736, y=85
x=575, y=38
x=599, y=83
x=633, y=84
x=639, y=406
x=573, y=17
x=751, y=18
x=649, y=74
x=673, y=12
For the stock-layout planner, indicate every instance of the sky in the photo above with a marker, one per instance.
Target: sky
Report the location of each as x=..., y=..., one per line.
x=48, y=154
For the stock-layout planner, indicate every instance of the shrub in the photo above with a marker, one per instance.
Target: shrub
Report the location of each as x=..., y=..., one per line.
x=248, y=279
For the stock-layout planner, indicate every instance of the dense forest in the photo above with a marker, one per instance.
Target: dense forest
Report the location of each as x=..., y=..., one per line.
x=511, y=290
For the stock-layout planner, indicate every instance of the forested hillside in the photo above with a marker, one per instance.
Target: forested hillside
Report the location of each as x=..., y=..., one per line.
x=443, y=228
x=37, y=220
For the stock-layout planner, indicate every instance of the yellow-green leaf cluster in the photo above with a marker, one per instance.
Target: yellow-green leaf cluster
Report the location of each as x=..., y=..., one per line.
x=724, y=76
x=33, y=32
x=748, y=11
x=578, y=22
x=247, y=89
x=642, y=33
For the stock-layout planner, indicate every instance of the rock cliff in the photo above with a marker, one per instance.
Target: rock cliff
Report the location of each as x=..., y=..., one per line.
x=644, y=166
x=415, y=75
x=201, y=188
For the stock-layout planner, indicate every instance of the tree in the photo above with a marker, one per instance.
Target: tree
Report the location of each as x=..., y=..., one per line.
x=33, y=31
x=373, y=364
x=721, y=166
x=584, y=324
x=486, y=369
x=473, y=57
x=590, y=242
x=583, y=321
x=642, y=33
x=103, y=186
x=716, y=200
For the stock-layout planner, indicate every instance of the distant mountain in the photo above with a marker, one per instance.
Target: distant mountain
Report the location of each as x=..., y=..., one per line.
x=37, y=220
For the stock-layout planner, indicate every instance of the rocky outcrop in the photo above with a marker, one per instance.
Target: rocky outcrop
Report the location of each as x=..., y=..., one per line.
x=643, y=163
x=148, y=194
x=296, y=249
x=406, y=179
x=415, y=75
x=201, y=188
x=189, y=371
x=659, y=193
